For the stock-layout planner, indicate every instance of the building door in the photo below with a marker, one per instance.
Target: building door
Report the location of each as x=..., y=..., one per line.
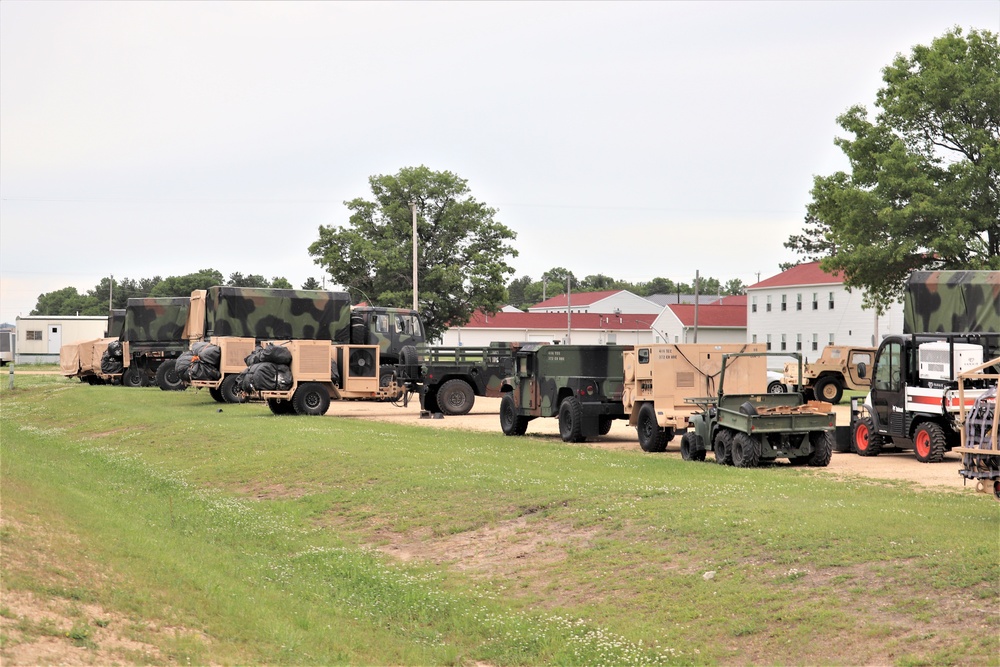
x=55, y=338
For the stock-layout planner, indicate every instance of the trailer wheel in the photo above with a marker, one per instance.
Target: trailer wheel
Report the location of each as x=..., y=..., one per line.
x=229, y=392
x=828, y=389
x=455, y=397
x=652, y=438
x=692, y=448
x=167, y=378
x=865, y=440
x=723, y=447
x=604, y=425
x=216, y=395
x=280, y=407
x=132, y=377
x=929, y=443
x=822, y=444
x=311, y=398
x=746, y=450
x=511, y=423
x=571, y=420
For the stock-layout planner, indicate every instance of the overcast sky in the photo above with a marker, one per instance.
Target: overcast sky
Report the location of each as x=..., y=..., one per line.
x=630, y=139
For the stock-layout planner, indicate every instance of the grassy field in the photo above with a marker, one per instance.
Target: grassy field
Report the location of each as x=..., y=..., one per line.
x=149, y=527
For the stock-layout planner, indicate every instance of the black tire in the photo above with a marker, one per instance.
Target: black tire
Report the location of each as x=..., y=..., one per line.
x=229, y=391
x=280, y=407
x=132, y=377
x=511, y=423
x=430, y=399
x=748, y=408
x=571, y=420
x=311, y=398
x=386, y=373
x=864, y=440
x=216, y=395
x=167, y=378
x=408, y=355
x=652, y=438
x=692, y=448
x=746, y=450
x=455, y=397
x=722, y=447
x=929, y=443
x=776, y=388
x=822, y=444
x=828, y=389
x=604, y=425
x=798, y=460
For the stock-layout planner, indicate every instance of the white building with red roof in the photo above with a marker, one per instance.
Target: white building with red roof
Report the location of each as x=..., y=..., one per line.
x=805, y=309
x=724, y=321
x=573, y=328
x=608, y=301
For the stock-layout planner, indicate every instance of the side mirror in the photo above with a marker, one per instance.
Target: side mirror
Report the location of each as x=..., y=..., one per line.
x=862, y=369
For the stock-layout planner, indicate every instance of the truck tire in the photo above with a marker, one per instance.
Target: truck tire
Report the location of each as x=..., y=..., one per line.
x=864, y=439
x=822, y=444
x=929, y=443
x=311, y=398
x=455, y=397
x=133, y=377
x=828, y=389
x=652, y=438
x=722, y=447
x=692, y=448
x=604, y=425
x=511, y=423
x=280, y=407
x=571, y=420
x=216, y=395
x=746, y=450
x=228, y=390
x=167, y=378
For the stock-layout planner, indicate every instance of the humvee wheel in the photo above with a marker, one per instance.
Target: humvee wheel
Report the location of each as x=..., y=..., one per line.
x=723, y=447
x=929, y=443
x=132, y=377
x=828, y=389
x=229, y=392
x=864, y=439
x=571, y=420
x=822, y=444
x=280, y=407
x=216, y=394
x=604, y=425
x=692, y=448
x=746, y=451
x=511, y=423
x=311, y=398
x=167, y=378
x=652, y=438
x=455, y=397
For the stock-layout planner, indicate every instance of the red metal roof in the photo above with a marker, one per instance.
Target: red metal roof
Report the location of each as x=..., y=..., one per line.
x=712, y=315
x=595, y=321
x=576, y=299
x=807, y=273
x=732, y=300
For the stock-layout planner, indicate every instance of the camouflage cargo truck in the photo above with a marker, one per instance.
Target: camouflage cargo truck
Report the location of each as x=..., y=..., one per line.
x=839, y=367
x=451, y=377
x=579, y=384
x=951, y=323
x=152, y=334
x=659, y=380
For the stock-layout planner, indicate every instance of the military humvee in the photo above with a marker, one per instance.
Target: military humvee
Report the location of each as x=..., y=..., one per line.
x=839, y=367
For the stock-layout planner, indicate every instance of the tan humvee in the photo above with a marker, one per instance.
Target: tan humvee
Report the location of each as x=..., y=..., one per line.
x=840, y=367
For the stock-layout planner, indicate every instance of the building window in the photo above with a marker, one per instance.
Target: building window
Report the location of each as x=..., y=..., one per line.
x=798, y=302
x=815, y=342
x=753, y=305
x=768, y=342
x=815, y=301
x=32, y=335
x=798, y=342
x=831, y=300
x=768, y=309
x=754, y=339
x=784, y=344
x=831, y=340
x=784, y=302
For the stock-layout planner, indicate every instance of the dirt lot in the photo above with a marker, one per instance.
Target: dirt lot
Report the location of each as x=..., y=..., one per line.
x=484, y=417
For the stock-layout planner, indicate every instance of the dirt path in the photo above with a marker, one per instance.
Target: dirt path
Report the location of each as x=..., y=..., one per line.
x=484, y=417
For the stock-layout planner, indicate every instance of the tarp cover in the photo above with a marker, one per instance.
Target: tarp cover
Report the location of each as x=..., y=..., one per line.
x=952, y=302
x=274, y=354
x=155, y=319
x=69, y=359
x=265, y=376
x=264, y=313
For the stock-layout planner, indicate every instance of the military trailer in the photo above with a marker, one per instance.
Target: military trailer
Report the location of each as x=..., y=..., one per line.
x=579, y=384
x=748, y=429
x=660, y=378
x=451, y=377
x=83, y=360
x=839, y=367
x=978, y=429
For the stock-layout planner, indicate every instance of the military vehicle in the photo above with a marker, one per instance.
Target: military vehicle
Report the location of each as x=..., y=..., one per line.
x=151, y=335
x=748, y=429
x=451, y=377
x=951, y=323
x=82, y=359
x=839, y=367
x=660, y=378
x=579, y=384
x=978, y=429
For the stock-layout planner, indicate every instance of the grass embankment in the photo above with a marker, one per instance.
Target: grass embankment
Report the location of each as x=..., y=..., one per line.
x=234, y=536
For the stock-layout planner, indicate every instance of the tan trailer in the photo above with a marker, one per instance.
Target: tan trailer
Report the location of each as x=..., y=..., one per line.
x=323, y=371
x=659, y=380
x=83, y=360
x=978, y=426
x=233, y=353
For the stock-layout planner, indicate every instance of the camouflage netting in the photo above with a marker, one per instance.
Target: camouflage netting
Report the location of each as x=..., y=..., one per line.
x=155, y=319
x=264, y=313
x=952, y=302
x=201, y=362
x=111, y=360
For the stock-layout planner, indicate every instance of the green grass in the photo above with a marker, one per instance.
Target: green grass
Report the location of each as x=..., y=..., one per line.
x=267, y=539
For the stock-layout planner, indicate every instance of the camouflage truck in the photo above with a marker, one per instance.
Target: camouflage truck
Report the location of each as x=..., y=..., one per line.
x=151, y=336
x=658, y=380
x=951, y=323
x=746, y=429
x=450, y=378
x=579, y=384
x=839, y=367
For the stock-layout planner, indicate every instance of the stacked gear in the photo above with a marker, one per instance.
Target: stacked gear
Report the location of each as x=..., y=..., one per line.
x=111, y=360
x=201, y=362
x=979, y=435
x=267, y=370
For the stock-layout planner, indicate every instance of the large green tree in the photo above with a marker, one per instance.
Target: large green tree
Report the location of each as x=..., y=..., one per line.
x=67, y=301
x=184, y=285
x=924, y=187
x=462, y=249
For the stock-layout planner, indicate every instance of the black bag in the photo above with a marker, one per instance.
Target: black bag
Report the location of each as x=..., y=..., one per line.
x=183, y=364
x=111, y=365
x=276, y=354
x=266, y=376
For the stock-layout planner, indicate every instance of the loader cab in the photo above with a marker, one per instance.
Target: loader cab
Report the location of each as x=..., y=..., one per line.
x=888, y=392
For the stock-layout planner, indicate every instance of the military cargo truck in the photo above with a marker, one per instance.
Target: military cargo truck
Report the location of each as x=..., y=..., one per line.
x=951, y=323
x=451, y=377
x=747, y=429
x=579, y=384
x=660, y=378
x=152, y=334
x=839, y=367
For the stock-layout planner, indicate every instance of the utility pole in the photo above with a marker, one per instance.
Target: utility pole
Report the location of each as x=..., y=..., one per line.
x=569, y=313
x=413, y=207
x=111, y=293
x=696, y=281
